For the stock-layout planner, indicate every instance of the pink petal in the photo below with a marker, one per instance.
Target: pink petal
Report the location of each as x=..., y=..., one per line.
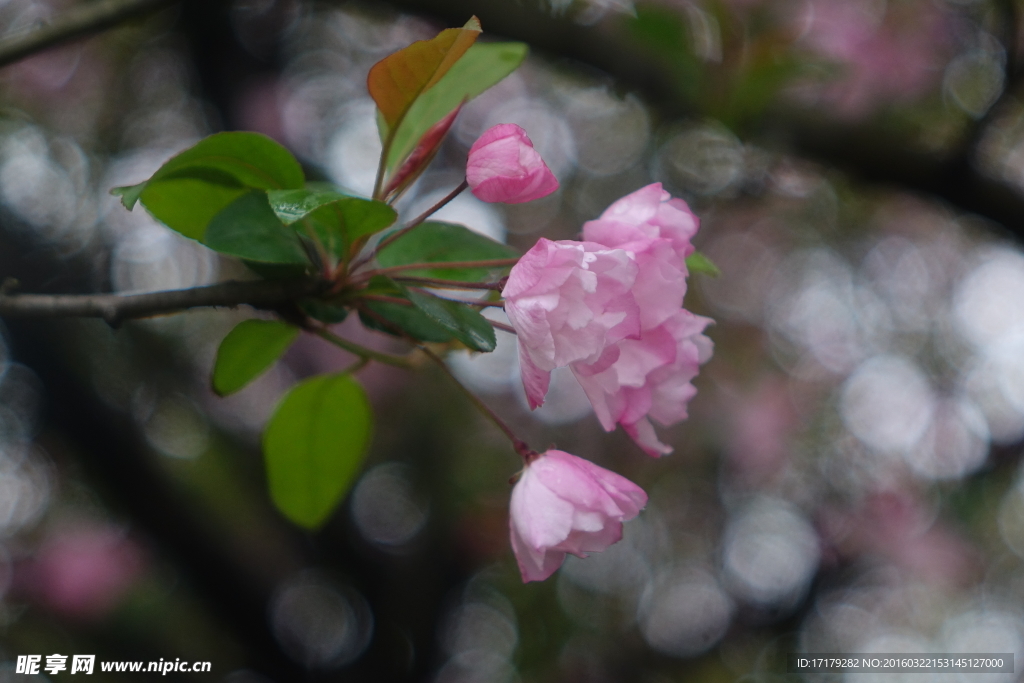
x=535, y=380
x=542, y=517
x=642, y=432
x=534, y=565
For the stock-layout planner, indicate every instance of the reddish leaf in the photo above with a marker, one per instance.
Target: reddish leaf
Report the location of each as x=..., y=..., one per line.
x=422, y=155
x=397, y=80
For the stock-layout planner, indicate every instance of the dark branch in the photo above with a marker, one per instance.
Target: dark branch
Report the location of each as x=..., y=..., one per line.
x=264, y=294
x=864, y=151
x=81, y=20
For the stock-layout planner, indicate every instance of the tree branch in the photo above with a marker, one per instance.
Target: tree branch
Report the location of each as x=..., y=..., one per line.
x=865, y=151
x=81, y=20
x=264, y=294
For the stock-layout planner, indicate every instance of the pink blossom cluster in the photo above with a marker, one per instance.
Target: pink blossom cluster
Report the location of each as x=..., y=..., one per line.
x=611, y=309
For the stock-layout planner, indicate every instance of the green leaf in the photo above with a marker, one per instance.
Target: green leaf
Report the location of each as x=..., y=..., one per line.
x=444, y=242
x=314, y=445
x=399, y=319
x=323, y=311
x=337, y=219
x=129, y=194
x=483, y=65
x=293, y=205
x=464, y=323
x=699, y=263
x=249, y=229
x=248, y=350
x=194, y=186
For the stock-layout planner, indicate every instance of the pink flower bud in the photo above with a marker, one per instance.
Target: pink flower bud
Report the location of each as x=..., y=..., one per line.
x=504, y=167
x=565, y=504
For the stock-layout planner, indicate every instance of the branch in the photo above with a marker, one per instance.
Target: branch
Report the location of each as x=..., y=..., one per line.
x=264, y=294
x=864, y=151
x=81, y=20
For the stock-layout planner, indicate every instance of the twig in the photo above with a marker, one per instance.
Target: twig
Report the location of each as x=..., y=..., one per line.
x=264, y=294
x=446, y=265
x=518, y=444
x=386, y=299
x=502, y=326
x=81, y=20
x=359, y=349
x=357, y=366
x=451, y=284
x=423, y=216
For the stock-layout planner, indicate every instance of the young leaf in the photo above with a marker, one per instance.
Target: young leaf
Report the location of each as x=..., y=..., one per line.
x=248, y=228
x=397, y=80
x=421, y=157
x=699, y=263
x=464, y=323
x=248, y=350
x=483, y=66
x=444, y=242
x=194, y=186
x=314, y=444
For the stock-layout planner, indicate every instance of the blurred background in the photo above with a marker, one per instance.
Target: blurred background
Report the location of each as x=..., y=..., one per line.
x=850, y=478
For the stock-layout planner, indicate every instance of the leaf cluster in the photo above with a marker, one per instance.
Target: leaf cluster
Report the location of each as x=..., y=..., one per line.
x=245, y=196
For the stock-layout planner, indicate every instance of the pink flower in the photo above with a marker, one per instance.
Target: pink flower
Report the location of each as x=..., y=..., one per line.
x=504, y=167
x=647, y=214
x=565, y=504
x=568, y=301
x=621, y=330
x=649, y=377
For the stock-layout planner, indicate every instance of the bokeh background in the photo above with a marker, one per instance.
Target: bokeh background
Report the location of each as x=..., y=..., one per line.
x=850, y=476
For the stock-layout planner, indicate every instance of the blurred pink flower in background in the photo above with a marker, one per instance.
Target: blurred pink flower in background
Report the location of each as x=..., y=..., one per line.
x=565, y=504
x=82, y=571
x=893, y=53
x=898, y=527
x=761, y=423
x=504, y=167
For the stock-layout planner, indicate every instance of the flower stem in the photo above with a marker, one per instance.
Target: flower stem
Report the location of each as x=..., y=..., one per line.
x=385, y=150
x=360, y=350
x=447, y=265
x=501, y=326
x=423, y=216
x=518, y=444
x=386, y=299
x=357, y=366
x=450, y=284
